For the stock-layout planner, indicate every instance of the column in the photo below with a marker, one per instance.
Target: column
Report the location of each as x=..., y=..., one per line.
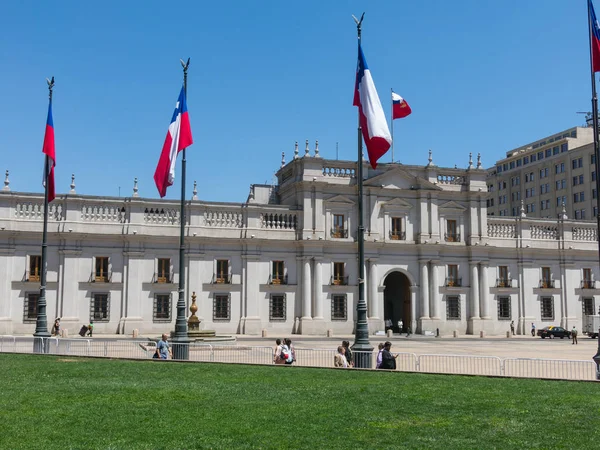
x=484, y=293
x=306, y=290
x=434, y=300
x=424, y=290
x=6, y=266
x=413, y=308
x=75, y=268
x=373, y=307
x=318, y=289
x=474, y=312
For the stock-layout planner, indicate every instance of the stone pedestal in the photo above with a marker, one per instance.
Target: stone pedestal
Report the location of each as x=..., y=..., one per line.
x=252, y=326
x=474, y=325
x=425, y=324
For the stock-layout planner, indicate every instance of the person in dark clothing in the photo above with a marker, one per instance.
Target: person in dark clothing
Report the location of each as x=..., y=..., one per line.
x=348, y=353
x=388, y=361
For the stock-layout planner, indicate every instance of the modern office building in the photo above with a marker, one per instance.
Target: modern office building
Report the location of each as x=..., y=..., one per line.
x=285, y=260
x=544, y=175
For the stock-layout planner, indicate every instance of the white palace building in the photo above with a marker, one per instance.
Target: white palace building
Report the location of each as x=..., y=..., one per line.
x=286, y=260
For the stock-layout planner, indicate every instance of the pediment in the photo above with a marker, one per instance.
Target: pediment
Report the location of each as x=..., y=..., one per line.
x=340, y=200
x=396, y=204
x=400, y=178
x=452, y=206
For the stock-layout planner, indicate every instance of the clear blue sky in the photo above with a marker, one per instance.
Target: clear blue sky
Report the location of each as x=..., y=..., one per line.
x=480, y=76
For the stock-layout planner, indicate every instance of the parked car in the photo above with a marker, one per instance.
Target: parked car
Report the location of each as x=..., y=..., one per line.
x=552, y=332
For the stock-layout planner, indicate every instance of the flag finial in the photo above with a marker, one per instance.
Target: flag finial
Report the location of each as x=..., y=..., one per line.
x=72, y=191
x=195, y=191
x=135, y=188
x=6, y=182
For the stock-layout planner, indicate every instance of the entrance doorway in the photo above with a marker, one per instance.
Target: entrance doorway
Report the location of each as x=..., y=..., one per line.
x=396, y=302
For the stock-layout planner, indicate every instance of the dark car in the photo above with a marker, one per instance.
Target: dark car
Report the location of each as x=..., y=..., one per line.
x=552, y=332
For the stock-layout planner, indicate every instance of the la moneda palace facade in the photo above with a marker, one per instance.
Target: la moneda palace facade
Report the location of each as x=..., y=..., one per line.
x=286, y=260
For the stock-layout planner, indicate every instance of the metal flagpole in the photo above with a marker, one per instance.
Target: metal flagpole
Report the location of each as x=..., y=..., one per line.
x=392, y=122
x=41, y=334
x=180, y=337
x=361, y=346
x=596, y=154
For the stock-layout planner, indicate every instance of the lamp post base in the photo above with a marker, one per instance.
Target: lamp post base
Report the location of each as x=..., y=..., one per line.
x=41, y=342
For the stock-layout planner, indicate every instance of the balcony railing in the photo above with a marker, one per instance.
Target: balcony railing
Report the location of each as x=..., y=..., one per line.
x=278, y=279
x=219, y=278
x=588, y=284
x=503, y=282
x=452, y=237
x=547, y=284
x=339, y=233
x=31, y=277
x=339, y=280
x=453, y=282
x=397, y=235
x=104, y=277
x=161, y=277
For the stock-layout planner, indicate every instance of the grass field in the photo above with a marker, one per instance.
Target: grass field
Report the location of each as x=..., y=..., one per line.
x=52, y=402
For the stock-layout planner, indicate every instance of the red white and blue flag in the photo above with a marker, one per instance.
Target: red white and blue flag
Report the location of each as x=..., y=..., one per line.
x=375, y=129
x=400, y=108
x=50, y=151
x=178, y=137
x=594, y=38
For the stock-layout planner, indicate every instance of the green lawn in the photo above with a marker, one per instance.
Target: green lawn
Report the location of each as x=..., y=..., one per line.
x=53, y=402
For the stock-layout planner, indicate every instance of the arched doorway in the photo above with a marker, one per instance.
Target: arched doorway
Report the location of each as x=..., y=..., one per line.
x=396, y=302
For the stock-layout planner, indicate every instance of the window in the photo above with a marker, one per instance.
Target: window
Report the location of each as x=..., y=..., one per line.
x=559, y=168
x=338, y=274
x=162, y=308
x=595, y=211
x=277, y=273
x=397, y=233
x=339, y=307
x=555, y=150
x=515, y=181
x=545, y=188
x=580, y=214
x=564, y=147
x=548, y=152
x=593, y=159
x=578, y=180
x=338, y=230
x=530, y=207
x=453, y=279
x=512, y=164
x=100, y=308
x=577, y=163
x=578, y=197
x=588, y=307
x=504, y=308
x=594, y=176
x=529, y=177
x=561, y=184
x=164, y=270
x=451, y=232
x=453, y=308
x=560, y=201
x=526, y=160
x=30, y=307
x=221, y=307
x=533, y=157
x=515, y=211
x=503, y=280
x=587, y=282
x=277, y=307
x=540, y=155
x=101, y=274
x=530, y=192
x=547, y=306
x=544, y=204
x=516, y=196
x=546, y=278
x=222, y=275
x=519, y=162
x=35, y=264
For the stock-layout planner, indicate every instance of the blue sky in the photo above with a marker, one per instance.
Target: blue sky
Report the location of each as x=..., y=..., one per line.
x=480, y=76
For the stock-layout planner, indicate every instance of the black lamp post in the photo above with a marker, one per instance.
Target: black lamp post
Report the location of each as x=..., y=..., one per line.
x=596, y=358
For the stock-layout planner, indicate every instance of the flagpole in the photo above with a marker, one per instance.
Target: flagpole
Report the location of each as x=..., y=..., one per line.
x=392, y=122
x=41, y=334
x=180, y=337
x=595, y=125
x=362, y=347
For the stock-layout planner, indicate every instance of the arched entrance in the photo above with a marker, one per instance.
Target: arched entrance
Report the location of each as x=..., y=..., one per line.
x=396, y=302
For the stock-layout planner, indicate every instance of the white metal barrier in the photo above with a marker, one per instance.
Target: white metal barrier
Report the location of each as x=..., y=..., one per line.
x=460, y=364
x=562, y=369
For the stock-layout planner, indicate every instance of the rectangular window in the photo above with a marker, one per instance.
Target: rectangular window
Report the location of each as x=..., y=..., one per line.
x=100, y=308
x=503, y=280
x=277, y=308
x=339, y=307
x=164, y=270
x=588, y=306
x=546, y=277
x=564, y=147
x=540, y=155
x=453, y=308
x=512, y=164
x=504, y=308
x=547, y=308
x=222, y=275
x=277, y=273
x=162, y=308
x=548, y=152
x=533, y=157
x=519, y=162
x=338, y=226
x=587, y=279
x=595, y=211
x=594, y=176
x=397, y=233
x=526, y=160
x=593, y=158
x=453, y=279
x=221, y=307
x=529, y=177
x=30, y=307
x=338, y=274
x=35, y=265
x=101, y=274
x=451, y=231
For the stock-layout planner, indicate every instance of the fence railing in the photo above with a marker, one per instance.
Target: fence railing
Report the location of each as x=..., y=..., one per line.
x=310, y=357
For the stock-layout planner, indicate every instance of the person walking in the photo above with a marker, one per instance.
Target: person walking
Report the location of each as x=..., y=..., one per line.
x=574, y=335
x=288, y=343
x=380, y=347
x=163, y=349
x=339, y=360
x=348, y=353
x=532, y=329
x=277, y=359
x=56, y=327
x=512, y=327
x=388, y=361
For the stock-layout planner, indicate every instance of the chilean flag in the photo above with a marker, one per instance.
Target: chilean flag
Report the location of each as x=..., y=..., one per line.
x=178, y=137
x=50, y=152
x=594, y=38
x=400, y=108
x=371, y=117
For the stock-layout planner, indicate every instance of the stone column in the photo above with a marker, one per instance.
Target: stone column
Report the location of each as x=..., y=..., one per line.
x=413, y=308
x=252, y=322
x=373, y=307
x=133, y=311
x=434, y=300
x=474, y=310
x=319, y=325
x=484, y=293
x=306, y=297
x=424, y=289
x=6, y=267
x=75, y=269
